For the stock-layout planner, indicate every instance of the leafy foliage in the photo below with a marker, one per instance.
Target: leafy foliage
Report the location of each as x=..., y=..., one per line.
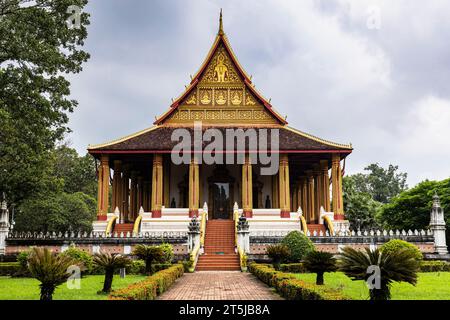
x=109, y=262
x=167, y=253
x=149, y=254
x=382, y=184
x=395, y=245
x=299, y=245
x=320, y=262
x=83, y=258
x=151, y=287
x=399, y=266
x=411, y=209
x=37, y=51
x=60, y=212
x=49, y=269
x=278, y=253
x=359, y=207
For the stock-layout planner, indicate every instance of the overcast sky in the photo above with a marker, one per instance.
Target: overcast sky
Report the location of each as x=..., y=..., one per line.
x=373, y=73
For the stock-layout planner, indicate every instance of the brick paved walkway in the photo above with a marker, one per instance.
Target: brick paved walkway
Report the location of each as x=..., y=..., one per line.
x=219, y=285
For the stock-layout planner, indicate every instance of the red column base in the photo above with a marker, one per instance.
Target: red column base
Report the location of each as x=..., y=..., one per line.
x=156, y=213
x=102, y=217
x=193, y=213
x=285, y=214
x=339, y=217
x=248, y=213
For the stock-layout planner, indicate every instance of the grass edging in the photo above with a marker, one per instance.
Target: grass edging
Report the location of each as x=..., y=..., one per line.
x=291, y=288
x=151, y=287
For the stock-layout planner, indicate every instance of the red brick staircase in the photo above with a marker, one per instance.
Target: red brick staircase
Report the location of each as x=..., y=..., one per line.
x=219, y=252
x=317, y=228
x=123, y=227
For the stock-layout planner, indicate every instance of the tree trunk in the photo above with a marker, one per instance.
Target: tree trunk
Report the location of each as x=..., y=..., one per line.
x=148, y=266
x=319, y=278
x=108, y=281
x=47, y=292
x=383, y=293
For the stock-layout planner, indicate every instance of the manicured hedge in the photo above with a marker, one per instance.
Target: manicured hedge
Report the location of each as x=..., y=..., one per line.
x=434, y=266
x=291, y=288
x=13, y=269
x=293, y=267
x=151, y=287
x=9, y=268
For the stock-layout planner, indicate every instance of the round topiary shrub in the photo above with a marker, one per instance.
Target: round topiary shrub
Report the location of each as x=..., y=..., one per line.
x=397, y=245
x=298, y=244
x=80, y=256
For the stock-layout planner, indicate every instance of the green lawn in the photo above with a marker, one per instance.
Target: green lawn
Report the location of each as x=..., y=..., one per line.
x=430, y=286
x=28, y=288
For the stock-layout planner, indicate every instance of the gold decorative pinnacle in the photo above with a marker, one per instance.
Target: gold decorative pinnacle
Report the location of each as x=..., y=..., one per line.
x=220, y=23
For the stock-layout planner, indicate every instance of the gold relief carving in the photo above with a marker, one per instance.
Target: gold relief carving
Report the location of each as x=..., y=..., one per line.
x=260, y=115
x=213, y=115
x=221, y=69
x=245, y=114
x=228, y=114
x=236, y=97
x=221, y=97
x=249, y=101
x=184, y=115
x=192, y=99
x=197, y=115
x=205, y=96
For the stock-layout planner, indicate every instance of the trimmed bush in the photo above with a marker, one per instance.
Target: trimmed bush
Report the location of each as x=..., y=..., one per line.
x=278, y=253
x=167, y=253
x=82, y=257
x=22, y=258
x=434, y=266
x=293, y=267
x=291, y=288
x=395, y=245
x=320, y=262
x=151, y=287
x=298, y=244
x=10, y=268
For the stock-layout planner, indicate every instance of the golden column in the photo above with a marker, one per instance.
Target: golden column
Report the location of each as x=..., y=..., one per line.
x=285, y=202
x=133, y=196
x=304, y=196
x=336, y=180
x=247, y=188
x=157, y=185
x=194, y=187
x=317, y=191
x=310, y=196
x=166, y=184
x=125, y=192
x=294, y=206
x=140, y=194
x=103, y=188
x=146, y=196
x=325, y=185
x=117, y=186
x=275, y=192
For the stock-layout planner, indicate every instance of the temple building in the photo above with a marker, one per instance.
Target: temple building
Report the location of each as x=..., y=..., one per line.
x=151, y=193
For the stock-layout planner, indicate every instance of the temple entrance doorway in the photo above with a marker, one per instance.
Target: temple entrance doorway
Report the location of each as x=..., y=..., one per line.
x=221, y=193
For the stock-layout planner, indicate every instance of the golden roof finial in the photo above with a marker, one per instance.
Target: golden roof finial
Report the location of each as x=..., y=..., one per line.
x=221, y=23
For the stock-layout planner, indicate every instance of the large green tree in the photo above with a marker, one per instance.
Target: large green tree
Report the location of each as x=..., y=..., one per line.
x=382, y=184
x=411, y=209
x=77, y=173
x=359, y=207
x=38, y=49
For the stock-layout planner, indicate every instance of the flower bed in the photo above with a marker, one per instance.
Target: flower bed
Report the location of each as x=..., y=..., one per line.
x=151, y=287
x=291, y=288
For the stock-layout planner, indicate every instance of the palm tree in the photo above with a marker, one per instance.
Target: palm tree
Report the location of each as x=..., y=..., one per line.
x=398, y=266
x=148, y=254
x=50, y=269
x=109, y=263
x=320, y=262
x=278, y=253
